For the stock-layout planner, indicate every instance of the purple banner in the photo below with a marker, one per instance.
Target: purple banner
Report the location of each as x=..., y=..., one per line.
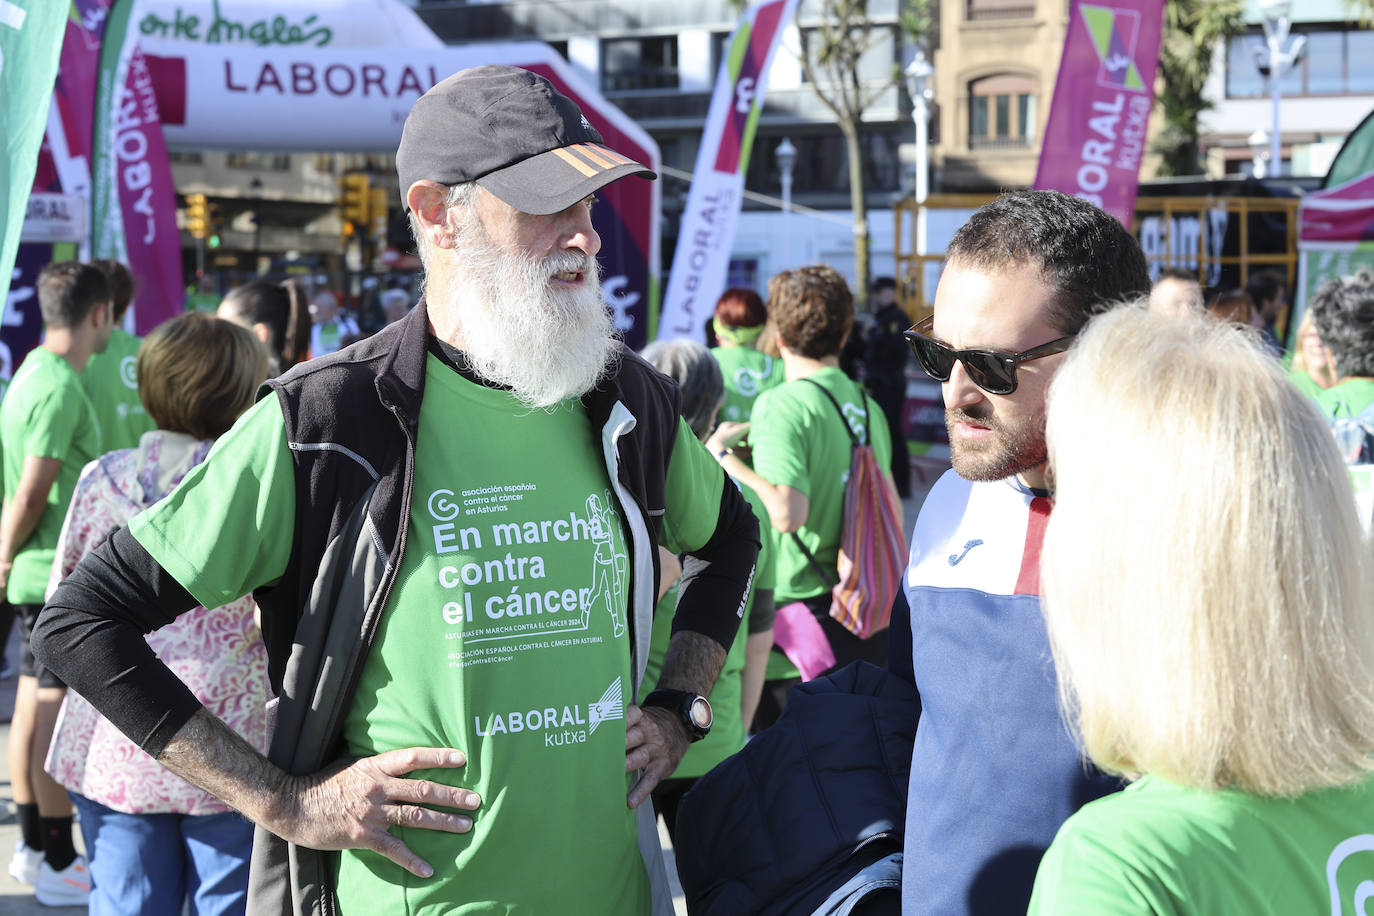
x=133, y=211
x=147, y=199
x=1095, y=135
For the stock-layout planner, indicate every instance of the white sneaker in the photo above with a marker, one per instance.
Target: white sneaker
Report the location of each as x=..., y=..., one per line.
x=24, y=863
x=69, y=887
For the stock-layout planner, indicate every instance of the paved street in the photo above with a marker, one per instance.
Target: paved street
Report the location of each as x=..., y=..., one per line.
x=17, y=899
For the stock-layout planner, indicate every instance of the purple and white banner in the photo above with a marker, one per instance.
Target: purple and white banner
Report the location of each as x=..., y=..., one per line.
x=702, y=258
x=1095, y=136
x=134, y=202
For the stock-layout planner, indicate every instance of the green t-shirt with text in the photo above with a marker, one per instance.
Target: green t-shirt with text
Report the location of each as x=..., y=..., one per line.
x=45, y=414
x=748, y=373
x=1159, y=848
x=505, y=635
x=111, y=383
x=728, y=730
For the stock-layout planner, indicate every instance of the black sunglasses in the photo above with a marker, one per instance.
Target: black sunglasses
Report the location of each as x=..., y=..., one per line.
x=994, y=371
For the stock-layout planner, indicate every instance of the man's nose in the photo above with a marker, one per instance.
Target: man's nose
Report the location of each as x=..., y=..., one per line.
x=579, y=232
x=960, y=391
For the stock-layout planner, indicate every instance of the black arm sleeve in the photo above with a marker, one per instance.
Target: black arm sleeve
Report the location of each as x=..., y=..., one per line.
x=716, y=578
x=90, y=635
x=764, y=611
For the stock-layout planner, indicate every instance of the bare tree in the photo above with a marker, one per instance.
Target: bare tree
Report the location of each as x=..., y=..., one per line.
x=831, y=55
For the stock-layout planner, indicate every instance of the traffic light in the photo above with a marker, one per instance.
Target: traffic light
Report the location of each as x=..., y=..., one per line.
x=197, y=215
x=355, y=197
x=377, y=212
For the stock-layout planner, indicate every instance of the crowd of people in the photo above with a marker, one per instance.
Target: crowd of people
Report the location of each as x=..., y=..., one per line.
x=320, y=622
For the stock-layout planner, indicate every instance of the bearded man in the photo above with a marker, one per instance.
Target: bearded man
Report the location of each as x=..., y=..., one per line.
x=994, y=772
x=414, y=515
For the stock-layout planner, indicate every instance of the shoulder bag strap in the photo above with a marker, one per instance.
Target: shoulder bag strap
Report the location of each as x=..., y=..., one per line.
x=853, y=443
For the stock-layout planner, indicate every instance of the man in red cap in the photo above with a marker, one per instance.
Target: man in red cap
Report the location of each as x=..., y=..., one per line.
x=451, y=529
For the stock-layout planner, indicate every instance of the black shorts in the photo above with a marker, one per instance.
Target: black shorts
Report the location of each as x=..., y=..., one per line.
x=29, y=666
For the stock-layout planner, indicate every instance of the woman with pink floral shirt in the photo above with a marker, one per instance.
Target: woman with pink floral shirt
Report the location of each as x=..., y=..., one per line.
x=155, y=841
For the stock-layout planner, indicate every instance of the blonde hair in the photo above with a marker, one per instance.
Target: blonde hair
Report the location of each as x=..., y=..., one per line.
x=197, y=373
x=1205, y=579
x=1325, y=375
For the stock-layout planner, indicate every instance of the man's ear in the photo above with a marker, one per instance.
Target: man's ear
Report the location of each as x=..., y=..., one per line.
x=426, y=200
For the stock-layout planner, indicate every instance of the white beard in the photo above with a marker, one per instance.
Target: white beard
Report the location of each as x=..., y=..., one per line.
x=518, y=330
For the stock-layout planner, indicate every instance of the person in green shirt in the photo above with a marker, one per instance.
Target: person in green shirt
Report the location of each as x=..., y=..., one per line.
x=48, y=433
x=1343, y=312
x=801, y=457
x=738, y=322
x=1211, y=631
x=735, y=697
x=451, y=529
x=110, y=378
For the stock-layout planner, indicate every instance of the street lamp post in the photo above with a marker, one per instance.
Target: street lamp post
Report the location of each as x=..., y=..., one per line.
x=786, y=155
x=918, y=74
x=1280, y=52
x=1259, y=152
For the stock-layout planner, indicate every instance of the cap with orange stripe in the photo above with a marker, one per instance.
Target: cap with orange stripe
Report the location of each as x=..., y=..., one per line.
x=514, y=134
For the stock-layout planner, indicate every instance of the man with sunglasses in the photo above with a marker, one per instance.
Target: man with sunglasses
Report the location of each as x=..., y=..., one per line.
x=994, y=772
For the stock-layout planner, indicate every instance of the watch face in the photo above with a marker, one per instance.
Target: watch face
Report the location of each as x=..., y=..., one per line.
x=701, y=713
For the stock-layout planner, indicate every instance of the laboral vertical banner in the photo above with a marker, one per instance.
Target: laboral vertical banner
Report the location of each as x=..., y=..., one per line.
x=702, y=257
x=1095, y=136
x=30, y=42
x=133, y=214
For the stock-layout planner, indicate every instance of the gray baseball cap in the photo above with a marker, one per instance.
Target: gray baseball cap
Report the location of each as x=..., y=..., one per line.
x=514, y=134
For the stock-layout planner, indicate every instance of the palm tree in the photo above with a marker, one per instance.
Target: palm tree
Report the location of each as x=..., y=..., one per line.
x=1192, y=29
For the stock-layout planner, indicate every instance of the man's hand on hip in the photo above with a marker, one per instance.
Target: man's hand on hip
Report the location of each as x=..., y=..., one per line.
x=655, y=741
x=353, y=804
x=350, y=804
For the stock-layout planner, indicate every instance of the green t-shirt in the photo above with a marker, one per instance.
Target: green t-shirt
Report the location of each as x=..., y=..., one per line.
x=728, y=730
x=1348, y=398
x=1306, y=384
x=112, y=385
x=505, y=635
x=1159, y=848
x=748, y=373
x=798, y=442
x=45, y=414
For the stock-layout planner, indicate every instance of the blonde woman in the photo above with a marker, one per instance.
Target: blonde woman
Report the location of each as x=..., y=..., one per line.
x=157, y=843
x=1212, y=629
x=1312, y=369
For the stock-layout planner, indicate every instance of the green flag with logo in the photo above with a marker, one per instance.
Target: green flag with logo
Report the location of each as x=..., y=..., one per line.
x=30, y=42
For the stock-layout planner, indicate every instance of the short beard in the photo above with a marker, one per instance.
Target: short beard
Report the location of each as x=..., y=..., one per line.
x=519, y=331
x=1012, y=449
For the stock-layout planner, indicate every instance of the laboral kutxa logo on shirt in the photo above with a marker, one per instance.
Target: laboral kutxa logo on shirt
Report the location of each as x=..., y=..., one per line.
x=558, y=725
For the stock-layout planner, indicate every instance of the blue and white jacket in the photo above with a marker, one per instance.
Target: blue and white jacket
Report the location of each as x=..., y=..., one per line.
x=994, y=770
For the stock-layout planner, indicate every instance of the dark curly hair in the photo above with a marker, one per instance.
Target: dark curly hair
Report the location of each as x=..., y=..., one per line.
x=1090, y=260
x=812, y=309
x=1343, y=311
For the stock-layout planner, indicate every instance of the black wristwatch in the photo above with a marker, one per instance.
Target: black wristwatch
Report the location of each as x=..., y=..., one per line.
x=694, y=710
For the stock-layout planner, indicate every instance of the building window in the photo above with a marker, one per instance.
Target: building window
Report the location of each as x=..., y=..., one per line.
x=999, y=9
x=185, y=158
x=823, y=162
x=636, y=64
x=268, y=162
x=1001, y=112
x=1336, y=62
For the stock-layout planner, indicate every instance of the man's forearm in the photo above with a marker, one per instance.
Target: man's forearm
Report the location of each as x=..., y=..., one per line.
x=207, y=753
x=18, y=520
x=693, y=663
